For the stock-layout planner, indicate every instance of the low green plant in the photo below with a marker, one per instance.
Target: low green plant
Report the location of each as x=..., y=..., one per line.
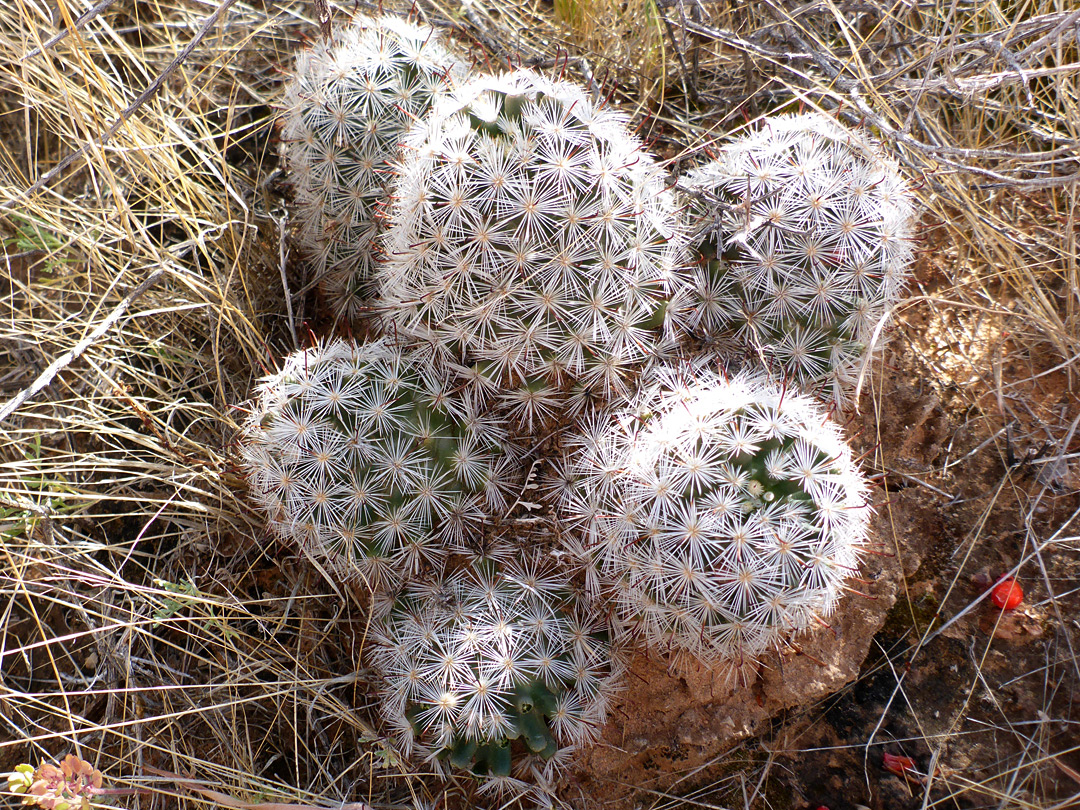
x=188, y=595
x=72, y=784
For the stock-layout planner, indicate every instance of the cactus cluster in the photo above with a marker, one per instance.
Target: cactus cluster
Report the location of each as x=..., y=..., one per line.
x=803, y=234
x=367, y=458
x=534, y=265
x=727, y=513
x=352, y=101
x=496, y=663
x=534, y=239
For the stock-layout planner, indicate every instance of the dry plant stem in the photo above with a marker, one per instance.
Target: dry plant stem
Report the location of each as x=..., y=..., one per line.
x=158, y=195
x=795, y=61
x=60, y=363
x=855, y=94
x=228, y=801
x=82, y=20
x=143, y=97
x=688, y=80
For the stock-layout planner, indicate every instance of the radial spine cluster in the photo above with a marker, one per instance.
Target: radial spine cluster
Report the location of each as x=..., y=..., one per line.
x=803, y=233
x=372, y=461
x=496, y=653
x=532, y=238
x=353, y=99
x=728, y=512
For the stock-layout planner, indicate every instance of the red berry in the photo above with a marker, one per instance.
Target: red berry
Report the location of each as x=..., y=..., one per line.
x=1007, y=594
x=897, y=764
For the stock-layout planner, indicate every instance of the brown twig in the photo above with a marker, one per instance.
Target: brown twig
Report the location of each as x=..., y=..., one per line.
x=106, y=136
x=60, y=363
x=80, y=21
x=228, y=801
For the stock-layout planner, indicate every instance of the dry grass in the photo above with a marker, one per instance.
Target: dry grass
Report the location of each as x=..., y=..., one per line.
x=147, y=621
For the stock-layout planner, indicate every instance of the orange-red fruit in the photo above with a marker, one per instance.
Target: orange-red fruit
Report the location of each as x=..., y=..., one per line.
x=898, y=765
x=1007, y=594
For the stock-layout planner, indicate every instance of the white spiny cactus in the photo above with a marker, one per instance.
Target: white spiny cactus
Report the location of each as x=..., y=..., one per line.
x=726, y=513
x=532, y=238
x=369, y=457
x=536, y=259
x=803, y=235
x=496, y=669
x=352, y=100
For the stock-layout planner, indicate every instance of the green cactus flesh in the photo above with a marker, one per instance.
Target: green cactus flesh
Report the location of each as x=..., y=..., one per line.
x=370, y=459
x=531, y=706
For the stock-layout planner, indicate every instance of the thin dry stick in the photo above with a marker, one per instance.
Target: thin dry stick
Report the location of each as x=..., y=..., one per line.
x=145, y=96
x=229, y=801
x=82, y=20
x=283, y=249
x=65, y=359
x=852, y=90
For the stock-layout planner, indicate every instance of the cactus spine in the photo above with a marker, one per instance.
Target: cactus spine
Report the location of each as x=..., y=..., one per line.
x=803, y=233
x=532, y=238
x=726, y=513
x=496, y=663
x=368, y=458
x=352, y=101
